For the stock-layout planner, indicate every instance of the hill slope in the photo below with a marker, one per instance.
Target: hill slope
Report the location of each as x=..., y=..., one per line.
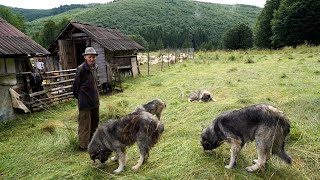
x=136, y=17
x=32, y=14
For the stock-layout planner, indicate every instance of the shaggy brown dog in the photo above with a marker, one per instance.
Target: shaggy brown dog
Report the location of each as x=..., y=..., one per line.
x=116, y=135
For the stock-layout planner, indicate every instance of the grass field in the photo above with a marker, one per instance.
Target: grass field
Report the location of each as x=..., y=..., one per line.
x=43, y=145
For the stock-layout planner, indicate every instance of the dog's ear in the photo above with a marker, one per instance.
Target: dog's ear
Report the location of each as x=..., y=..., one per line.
x=217, y=130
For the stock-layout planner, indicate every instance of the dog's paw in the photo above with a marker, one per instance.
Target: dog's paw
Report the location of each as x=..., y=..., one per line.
x=135, y=168
x=117, y=171
x=229, y=166
x=251, y=168
x=114, y=158
x=255, y=161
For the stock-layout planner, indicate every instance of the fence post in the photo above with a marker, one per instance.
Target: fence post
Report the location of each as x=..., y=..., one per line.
x=161, y=60
x=168, y=57
x=148, y=63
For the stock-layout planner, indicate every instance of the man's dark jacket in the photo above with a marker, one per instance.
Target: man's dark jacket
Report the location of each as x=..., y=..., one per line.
x=85, y=87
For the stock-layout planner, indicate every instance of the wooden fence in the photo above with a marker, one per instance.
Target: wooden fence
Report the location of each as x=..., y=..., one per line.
x=57, y=87
x=163, y=57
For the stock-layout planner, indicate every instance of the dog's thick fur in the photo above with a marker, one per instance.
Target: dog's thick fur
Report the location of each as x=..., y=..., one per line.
x=116, y=135
x=106, y=87
x=154, y=107
x=202, y=95
x=262, y=123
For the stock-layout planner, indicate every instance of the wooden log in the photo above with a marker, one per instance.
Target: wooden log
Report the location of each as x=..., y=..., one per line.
x=34, y=106
x=124, y=56
x=59, y=82
x=67, y=70
x=51, y=98
x=60, y=88
x=63, y=75
x=21, y=73
x=37, y=93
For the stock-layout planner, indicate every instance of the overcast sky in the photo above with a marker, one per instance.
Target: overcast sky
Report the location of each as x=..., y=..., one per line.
x=48, y=4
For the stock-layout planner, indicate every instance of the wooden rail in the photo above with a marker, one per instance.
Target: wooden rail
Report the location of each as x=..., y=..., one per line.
x=57, y=87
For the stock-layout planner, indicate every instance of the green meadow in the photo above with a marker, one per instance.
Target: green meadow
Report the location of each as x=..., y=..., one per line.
x=43, y=145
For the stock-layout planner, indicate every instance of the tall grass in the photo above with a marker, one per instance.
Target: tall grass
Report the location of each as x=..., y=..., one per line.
x=43, y=145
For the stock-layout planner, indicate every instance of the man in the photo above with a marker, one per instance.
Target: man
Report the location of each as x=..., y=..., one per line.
x=85, y=89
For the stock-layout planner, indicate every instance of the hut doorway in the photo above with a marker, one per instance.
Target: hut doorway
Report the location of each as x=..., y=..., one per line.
x=80, y=48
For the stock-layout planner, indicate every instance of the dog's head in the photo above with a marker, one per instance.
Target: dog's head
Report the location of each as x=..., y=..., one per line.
x=96, y=149
x=155, y=107
x=106, y=87
x=102, y=155
x=210, y=138
x=206, y=96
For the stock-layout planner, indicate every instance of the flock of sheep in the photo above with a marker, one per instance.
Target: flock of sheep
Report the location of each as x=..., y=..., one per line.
x=166, y=58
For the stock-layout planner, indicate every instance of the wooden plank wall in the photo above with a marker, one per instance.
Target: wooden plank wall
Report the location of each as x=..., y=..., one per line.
x=66, y=50
x=101, y=62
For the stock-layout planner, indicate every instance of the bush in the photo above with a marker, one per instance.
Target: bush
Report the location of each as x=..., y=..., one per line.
x=238, y=37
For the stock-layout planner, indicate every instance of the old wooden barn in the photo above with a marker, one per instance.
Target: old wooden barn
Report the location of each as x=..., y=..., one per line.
x=16, y=51
x=116, y=52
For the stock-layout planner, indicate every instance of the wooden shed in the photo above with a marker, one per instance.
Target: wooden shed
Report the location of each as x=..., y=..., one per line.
x=116, y=51
x=16, y=51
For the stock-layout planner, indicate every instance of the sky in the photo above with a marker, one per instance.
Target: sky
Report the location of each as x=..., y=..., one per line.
x=48, y=4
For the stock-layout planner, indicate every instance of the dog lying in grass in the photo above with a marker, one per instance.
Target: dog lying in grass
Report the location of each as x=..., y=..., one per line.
x=262, y=123
x=139, y=127
x=202, y=95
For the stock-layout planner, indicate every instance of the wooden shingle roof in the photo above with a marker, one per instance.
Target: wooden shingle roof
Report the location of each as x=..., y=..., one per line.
x=111, y=39
x=14, y=42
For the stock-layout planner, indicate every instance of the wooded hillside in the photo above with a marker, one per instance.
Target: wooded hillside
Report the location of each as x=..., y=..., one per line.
x=164, y=23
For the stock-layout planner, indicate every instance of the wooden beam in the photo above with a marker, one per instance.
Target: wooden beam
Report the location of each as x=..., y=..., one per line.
x=124, y=56
x=63, y=75
x=67, y=70
x=53, y=97
x=36, y=108
x=75, y=35
x=21, y=73
x=37, y=93
x=60, y=88
x=59, y=82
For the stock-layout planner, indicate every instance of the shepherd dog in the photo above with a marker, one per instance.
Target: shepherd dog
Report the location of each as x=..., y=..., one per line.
x=262, y=123
x=154, y=107
x=106, y=87
x=202, y=95
x=116, y=135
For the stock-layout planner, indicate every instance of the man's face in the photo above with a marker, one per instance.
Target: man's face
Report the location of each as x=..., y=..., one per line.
x=90, y=59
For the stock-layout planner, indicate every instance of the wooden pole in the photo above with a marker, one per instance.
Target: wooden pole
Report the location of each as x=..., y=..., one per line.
x=148, y=63
x=161, y=60
x=168, y=57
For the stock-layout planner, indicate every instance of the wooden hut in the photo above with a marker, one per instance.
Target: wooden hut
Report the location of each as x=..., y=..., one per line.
x=116, y=51
x=16, y=50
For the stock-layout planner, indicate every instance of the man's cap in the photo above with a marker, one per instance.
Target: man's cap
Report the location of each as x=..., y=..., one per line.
x=90, y=51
